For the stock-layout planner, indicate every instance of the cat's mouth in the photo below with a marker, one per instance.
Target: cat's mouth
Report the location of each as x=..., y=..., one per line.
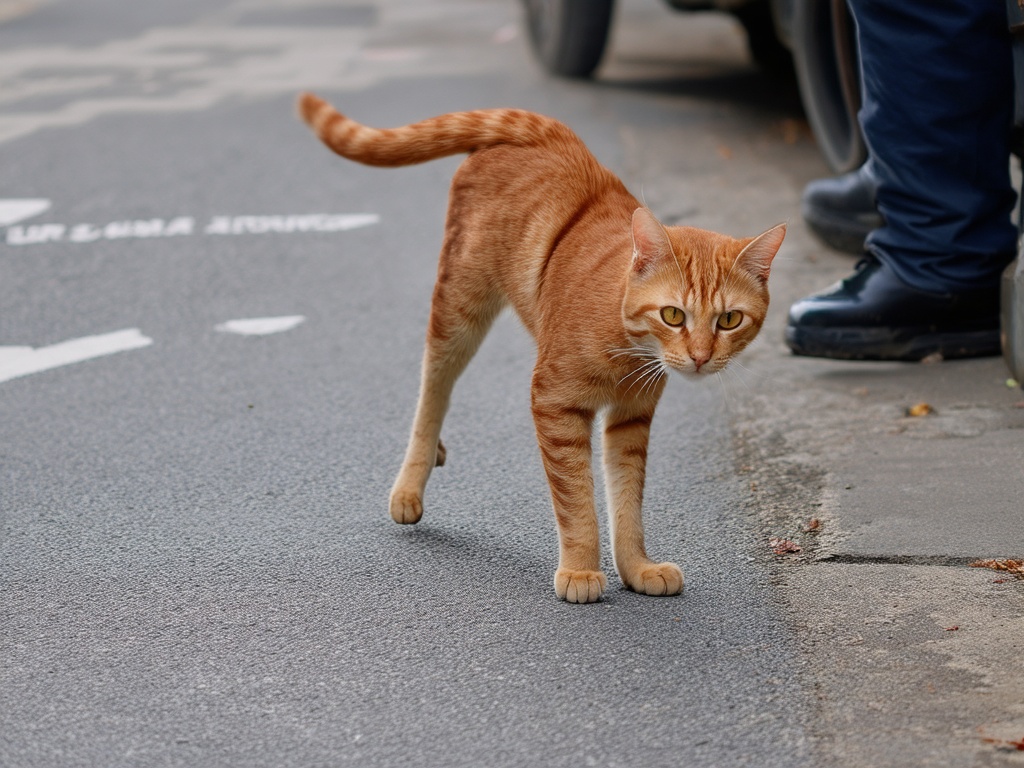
x=692, y=368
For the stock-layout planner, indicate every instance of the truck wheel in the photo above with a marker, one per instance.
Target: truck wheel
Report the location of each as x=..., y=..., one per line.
x=569, y=36
x=828, y=74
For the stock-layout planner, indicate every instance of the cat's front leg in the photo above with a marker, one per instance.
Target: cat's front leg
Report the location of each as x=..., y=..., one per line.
x=626, y=433
x=563, y=433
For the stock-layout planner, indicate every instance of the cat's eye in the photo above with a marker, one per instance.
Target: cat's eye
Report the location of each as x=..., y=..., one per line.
x=729, y=320
x=674, y=316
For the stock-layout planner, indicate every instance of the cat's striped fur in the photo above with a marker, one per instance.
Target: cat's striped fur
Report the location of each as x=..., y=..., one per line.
x=535, y=222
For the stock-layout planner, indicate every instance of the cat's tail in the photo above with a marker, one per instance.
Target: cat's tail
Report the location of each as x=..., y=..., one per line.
x=451, y=134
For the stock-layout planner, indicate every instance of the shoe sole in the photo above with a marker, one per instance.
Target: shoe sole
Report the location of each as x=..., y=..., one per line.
x=879, y=344
x=839, y=231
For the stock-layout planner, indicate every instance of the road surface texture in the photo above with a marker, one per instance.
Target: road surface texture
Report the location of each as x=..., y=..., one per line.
x=210, y=335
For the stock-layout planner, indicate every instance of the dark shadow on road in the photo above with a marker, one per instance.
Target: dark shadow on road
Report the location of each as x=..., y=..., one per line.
x=747, y=87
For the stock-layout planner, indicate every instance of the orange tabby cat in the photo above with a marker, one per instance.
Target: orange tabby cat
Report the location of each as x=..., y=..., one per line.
x=613, y=300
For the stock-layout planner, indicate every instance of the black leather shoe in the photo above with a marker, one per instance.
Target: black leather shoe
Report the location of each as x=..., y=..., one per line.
x=842, y=211
x=873, y=315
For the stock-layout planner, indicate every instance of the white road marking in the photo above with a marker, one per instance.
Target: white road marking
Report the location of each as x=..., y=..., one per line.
x=313, y=222
x=37, y=234
x=22, y=361
x=261, y=326
x=13, y=211
x=195, y=67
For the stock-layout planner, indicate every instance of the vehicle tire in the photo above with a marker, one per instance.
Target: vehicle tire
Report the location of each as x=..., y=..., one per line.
x=569, y=36
x=828, y=74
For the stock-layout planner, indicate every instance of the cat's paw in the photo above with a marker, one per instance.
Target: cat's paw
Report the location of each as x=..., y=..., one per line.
x=406, y=507
x=657, y=579
x=579, y=586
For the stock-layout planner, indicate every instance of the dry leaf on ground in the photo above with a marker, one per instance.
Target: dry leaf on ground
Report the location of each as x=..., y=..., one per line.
x=1016, y=567
x=920, y=409
x=791, y=130
x=783, y=546
x=1008, y=745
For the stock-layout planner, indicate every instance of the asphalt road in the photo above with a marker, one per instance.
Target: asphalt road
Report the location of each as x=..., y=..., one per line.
x=197, y=565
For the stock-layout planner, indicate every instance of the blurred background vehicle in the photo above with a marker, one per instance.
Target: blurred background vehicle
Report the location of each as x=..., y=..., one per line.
x=811, y=39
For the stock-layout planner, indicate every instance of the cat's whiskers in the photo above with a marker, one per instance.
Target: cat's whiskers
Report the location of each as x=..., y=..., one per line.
x=653, y=367
x=642, y=369
x=639, y=352
x=654, y=376
x=735, y=375
x=723, y=388
x=759, y=376
x=738, y=364
x=643, y=354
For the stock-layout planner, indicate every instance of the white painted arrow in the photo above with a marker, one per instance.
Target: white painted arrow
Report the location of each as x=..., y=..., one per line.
x=13, y=211
x=21, y=361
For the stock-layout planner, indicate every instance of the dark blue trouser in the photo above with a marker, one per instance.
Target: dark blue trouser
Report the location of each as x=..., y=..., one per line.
x=937, y=111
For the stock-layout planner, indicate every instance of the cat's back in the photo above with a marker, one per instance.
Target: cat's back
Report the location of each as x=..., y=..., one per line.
x=523, y=205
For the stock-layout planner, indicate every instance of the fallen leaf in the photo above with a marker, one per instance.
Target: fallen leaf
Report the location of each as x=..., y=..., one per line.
x=791, y=130
x=1016, y=567
x=1012, y=383
x=954, y=628
x=920, y=409
x=934, y=357
x=1009, y=745
x=813, y=524
x=783, y=546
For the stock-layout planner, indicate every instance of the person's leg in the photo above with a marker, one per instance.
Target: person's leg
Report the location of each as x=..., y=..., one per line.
x=937, y=81
x=843, y=210
x=937, y=112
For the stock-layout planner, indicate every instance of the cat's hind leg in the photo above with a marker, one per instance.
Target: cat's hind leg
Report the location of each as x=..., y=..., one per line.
x=626, y=434
x=461, y=312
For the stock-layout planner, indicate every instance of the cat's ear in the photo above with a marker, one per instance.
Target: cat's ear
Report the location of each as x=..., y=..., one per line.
x=650, y=241
x=756, y=257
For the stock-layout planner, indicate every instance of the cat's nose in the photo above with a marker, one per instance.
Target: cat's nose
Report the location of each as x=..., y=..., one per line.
x=699, y=358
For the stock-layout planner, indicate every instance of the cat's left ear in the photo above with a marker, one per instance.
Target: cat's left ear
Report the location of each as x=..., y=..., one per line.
x=650, y=241
x=756, y=257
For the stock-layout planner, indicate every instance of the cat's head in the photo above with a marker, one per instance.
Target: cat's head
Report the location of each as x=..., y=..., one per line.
x=695, y=298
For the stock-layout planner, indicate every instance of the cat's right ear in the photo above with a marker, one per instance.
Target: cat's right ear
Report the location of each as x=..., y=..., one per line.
x=650, y=242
